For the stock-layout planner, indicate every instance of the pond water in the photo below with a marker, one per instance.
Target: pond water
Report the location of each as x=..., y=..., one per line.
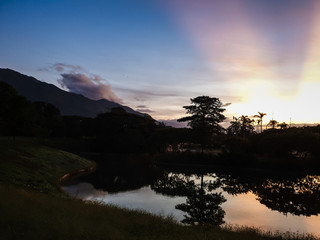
x=276, y=203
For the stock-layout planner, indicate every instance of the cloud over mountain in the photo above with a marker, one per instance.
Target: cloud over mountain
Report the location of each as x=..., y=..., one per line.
x=90, y=86
x=77, y=80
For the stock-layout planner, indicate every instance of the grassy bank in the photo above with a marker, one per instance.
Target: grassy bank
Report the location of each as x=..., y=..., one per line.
x=33, y=207
x=25, y=163
x=30, y=215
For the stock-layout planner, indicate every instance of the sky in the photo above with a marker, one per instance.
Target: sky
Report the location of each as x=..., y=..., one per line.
x=154, y=55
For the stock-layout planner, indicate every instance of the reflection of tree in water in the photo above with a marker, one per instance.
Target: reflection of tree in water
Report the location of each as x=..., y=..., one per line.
x=301, y=197
x=298, y=196
x=203, y=208
x=202, y=205
x=118, y=178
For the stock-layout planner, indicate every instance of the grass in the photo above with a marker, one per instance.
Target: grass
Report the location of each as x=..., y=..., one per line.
x=33, y=207
x=25, y=163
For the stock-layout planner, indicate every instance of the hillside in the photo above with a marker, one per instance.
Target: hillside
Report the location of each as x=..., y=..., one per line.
x=68, y=103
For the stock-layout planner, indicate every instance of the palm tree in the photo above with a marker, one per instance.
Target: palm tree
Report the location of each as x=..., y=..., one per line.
x=246, y=125
x=272, y=123
x=260, y=116
x=235, y=127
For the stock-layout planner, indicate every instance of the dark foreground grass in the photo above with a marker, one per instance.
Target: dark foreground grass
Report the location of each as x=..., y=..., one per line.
x=30, y=215
x=25, y=163
x=27, y=169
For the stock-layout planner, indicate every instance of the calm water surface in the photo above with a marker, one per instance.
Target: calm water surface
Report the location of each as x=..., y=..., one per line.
x=271, y=203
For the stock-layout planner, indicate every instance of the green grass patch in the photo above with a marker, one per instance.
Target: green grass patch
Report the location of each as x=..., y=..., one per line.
x=25, y=163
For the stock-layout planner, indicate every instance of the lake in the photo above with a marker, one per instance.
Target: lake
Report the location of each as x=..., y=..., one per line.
x=263, y=200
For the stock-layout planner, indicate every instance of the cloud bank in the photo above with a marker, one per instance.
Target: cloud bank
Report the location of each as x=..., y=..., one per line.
x=75, y=79
x=89, y=86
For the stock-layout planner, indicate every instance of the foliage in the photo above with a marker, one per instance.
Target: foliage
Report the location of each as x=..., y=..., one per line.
x=206, y=114
x=287, y=194
x=115, y=131
x=242, y=126
x=260, y=116
x=14, y=110
x=20, y=117
x=272, y=123
x=167, y=136
x=202, y=206
x=283, y=125
x=121, y=131
x=300, y=143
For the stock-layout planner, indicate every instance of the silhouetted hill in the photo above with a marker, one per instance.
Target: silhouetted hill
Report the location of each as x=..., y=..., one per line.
x=68, y=103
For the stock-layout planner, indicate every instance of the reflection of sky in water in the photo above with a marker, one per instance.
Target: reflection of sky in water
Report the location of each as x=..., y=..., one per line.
x=146, y=199
x=242, y=209
x=142, y=199
x=85, y=191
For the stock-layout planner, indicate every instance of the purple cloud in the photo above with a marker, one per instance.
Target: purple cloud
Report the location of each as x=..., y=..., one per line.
x=89, y=86
x=61, y=67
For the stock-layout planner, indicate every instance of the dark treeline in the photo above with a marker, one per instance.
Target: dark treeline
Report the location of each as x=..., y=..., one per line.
x=121, y=132
x=115, y=131
x=276, y=148
x=20, y=117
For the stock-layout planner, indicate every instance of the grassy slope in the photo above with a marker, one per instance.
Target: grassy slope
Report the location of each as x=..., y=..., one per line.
x=26, y=169
x=26, y=164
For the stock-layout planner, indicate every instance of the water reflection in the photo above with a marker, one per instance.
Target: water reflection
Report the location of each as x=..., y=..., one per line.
x=120, y=178
x=202, y=204
x=298, y=196
x=85, y=191
x=201, y=196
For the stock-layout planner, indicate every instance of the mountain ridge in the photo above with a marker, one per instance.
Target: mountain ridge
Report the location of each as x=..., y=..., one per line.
x=67, y=102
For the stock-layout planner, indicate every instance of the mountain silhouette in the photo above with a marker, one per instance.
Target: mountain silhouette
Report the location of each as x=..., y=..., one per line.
x=68, y=103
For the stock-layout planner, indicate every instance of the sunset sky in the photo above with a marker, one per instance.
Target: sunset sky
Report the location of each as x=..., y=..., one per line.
x=154, y=55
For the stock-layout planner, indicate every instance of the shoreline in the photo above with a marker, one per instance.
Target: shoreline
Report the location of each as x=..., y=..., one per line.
x=76, y=174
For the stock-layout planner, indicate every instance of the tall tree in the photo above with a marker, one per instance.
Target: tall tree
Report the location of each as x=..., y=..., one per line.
x=206, y=114
x=260, y=115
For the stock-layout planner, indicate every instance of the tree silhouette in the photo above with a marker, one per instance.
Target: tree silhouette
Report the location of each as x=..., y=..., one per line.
x=273, y=123
x=295, y=195
x=235, y=127
x=283, y=125
x=260, y=116
x=203, y=208
x=15, y=111
x=202, y=205
x=242, y=126
x=206, y=114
